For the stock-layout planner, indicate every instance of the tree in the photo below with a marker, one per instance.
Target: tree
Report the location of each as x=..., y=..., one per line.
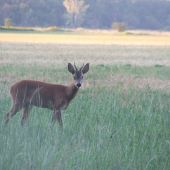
x=8, y=22
x=75, y=11
x=120, y=27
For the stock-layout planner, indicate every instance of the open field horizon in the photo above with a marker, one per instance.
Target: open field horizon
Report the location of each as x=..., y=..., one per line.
x=120, y=118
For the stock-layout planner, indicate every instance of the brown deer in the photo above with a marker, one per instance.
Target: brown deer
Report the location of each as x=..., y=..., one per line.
x=28, y=93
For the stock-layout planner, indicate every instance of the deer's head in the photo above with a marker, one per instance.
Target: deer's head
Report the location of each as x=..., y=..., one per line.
x=78, y=74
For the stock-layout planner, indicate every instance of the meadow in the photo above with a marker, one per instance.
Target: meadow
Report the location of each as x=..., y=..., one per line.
x=120, y=118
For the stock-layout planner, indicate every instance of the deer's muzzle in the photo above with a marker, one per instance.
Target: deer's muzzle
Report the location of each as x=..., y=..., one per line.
x=78, y=85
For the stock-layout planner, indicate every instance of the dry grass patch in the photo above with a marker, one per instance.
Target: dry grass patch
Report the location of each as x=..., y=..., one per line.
x=126, y=82
x=86, y=38
x=60, y=54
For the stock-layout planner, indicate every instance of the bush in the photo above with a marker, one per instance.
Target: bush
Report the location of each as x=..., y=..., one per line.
x=16, y=28
x=80, y=29
x=120, y=27
x=7, y=22
x=54, y=28
x=30, y=29
x=127, y=33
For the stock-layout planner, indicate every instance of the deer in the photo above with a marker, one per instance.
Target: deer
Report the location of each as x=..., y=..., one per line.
x=28, y=93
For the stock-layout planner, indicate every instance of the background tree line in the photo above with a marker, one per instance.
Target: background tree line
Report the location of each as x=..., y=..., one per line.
x=137, y=14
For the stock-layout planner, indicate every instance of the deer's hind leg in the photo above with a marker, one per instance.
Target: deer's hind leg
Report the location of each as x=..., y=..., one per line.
x=14, y=109
x=26, y=111
x=57, y=116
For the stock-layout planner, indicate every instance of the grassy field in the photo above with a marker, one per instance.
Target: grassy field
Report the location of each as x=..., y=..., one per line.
x=120, y=118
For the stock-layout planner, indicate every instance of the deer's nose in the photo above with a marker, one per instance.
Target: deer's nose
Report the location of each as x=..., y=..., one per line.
x=78, y=85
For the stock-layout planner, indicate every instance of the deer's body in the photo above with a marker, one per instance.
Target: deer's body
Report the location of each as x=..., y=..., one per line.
x=42, y=94
x=28, y=93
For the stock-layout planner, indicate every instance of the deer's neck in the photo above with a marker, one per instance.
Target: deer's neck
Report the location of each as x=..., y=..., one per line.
x=71, y=91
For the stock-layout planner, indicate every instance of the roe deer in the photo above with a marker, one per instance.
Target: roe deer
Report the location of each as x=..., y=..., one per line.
x=28, y=93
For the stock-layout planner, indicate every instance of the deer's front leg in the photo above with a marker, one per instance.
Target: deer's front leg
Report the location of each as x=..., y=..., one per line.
x=57, y=115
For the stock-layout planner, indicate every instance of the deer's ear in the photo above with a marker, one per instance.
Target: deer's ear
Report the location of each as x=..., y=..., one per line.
x=71, y=68
x=85, y=68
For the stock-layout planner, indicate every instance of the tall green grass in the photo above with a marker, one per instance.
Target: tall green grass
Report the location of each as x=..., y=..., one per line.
x=104, y=128
x=120, y=118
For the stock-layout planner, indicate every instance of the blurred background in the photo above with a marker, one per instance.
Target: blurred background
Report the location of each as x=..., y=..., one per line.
x=96, y=14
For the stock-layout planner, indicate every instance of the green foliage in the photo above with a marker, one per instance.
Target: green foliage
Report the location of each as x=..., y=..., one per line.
x=7, y=22
x=120, y=27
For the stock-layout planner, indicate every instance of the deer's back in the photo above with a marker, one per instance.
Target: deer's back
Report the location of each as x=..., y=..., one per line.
x=36, y=92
